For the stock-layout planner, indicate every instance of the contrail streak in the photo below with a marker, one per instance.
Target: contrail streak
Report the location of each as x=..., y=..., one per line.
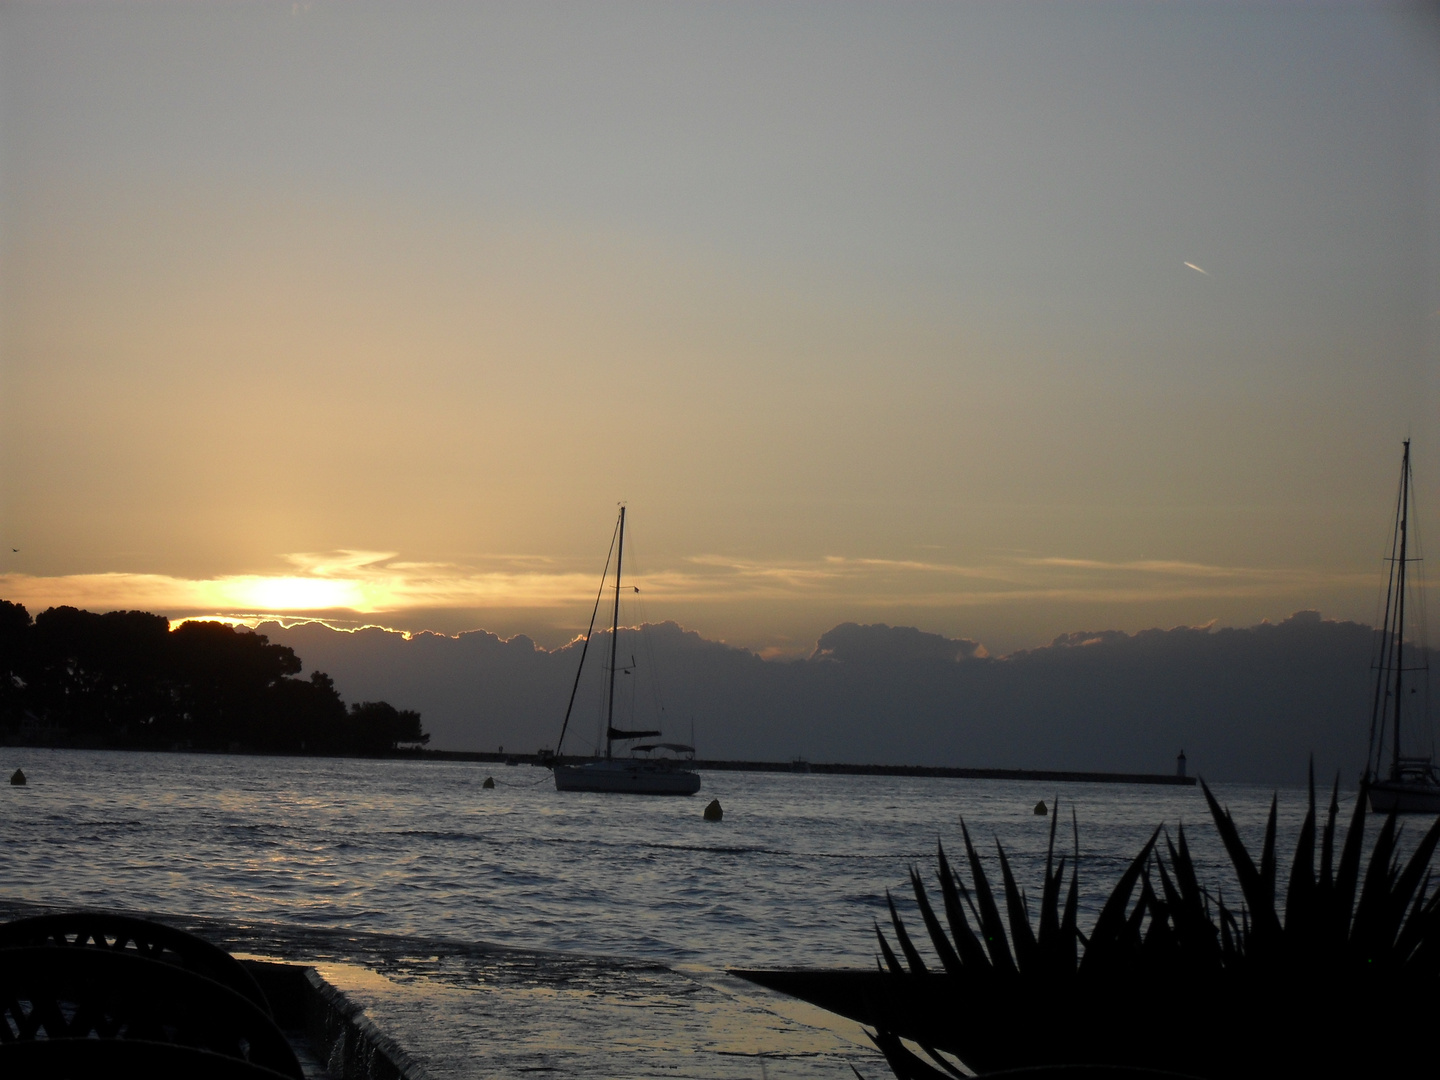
x=1192, y=266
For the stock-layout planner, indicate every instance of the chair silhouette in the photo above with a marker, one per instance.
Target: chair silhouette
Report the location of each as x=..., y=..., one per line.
x=141, y=937
x=54, y=996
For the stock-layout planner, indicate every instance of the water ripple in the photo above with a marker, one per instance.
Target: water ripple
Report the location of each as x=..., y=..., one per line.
x=794, y=874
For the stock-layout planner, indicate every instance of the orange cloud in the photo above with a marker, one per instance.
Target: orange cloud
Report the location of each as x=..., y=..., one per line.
x=368, y=583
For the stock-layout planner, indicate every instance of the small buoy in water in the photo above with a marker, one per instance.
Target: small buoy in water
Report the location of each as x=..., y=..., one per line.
x=1041, y=809
x=489, y=782
x=18, y=778
x=713, y=811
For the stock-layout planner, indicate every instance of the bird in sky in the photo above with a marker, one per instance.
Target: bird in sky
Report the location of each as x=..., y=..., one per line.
x=1192, y=266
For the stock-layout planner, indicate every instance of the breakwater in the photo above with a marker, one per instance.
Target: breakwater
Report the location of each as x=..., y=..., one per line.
x=846, y=769
x=1056, y=775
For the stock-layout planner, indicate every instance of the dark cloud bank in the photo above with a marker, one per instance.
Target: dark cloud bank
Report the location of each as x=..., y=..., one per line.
x=1245, y=704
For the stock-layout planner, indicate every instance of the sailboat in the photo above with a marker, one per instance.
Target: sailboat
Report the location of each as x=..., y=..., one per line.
x=1410, y=784
x=654, y=774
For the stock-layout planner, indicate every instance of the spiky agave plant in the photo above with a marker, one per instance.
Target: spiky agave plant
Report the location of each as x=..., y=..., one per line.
x=1343, y=982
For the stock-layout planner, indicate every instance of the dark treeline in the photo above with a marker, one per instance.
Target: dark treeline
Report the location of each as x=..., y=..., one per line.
x=125, y=679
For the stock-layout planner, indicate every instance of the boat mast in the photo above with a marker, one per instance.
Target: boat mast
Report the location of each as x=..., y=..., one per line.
x=1400, y=608
x=584, y=649
x=615, y=628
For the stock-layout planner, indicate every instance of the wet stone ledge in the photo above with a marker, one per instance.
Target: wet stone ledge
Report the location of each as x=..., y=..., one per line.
x=331, y=1034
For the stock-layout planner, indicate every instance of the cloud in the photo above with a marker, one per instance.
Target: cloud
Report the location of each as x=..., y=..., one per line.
x=1245, y=704
x=370, y=583
x=356, y=581
x=872, y=582
x=1170, y=577
x=895, y=645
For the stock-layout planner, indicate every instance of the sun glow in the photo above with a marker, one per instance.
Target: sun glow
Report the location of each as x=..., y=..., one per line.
x=291, y=594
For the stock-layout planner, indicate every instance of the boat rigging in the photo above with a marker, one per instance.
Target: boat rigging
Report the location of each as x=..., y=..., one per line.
x=1410, y=784
x=630, y=774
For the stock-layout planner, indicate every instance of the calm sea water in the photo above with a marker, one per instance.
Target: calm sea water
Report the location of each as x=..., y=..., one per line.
x=331, y=856
x=794, y=873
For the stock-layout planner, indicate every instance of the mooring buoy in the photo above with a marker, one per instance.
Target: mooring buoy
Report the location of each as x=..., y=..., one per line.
x=489, y=782
x=18, y=778
x=1041, y=809
x=713, y=811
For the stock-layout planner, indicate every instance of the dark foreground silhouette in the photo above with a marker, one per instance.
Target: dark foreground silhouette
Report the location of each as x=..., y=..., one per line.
x=1343, y=982
x=126, y=680
x=90, y=994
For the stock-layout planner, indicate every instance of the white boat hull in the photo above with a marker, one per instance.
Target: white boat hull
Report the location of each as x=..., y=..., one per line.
x=1392, y=796
x=627, y=777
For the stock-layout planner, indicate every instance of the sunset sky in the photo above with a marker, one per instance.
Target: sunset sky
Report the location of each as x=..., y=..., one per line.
x=1001, y=321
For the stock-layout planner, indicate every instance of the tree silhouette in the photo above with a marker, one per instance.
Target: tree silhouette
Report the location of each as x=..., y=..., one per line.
x=377, y=726
x=125, y=679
